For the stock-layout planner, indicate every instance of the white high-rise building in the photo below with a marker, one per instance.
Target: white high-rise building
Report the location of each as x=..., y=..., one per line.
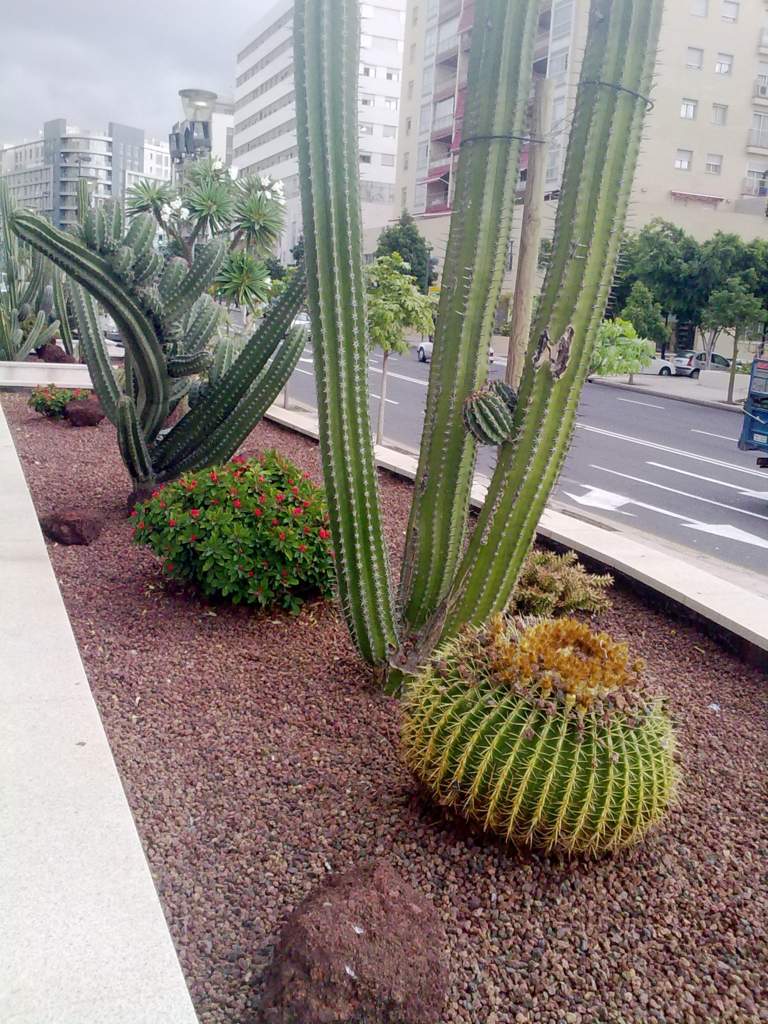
x=265, y=109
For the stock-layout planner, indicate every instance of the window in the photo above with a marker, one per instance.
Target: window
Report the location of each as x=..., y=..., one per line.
x=389, y=131
x=365, y=158
x=392, y=75
x=714, y=163
x=390, y=103
x=562, y=17
x=367, y=100
x=388, y=160
x=695, y=58
x=684, y=159
x=558, y=64
x=688, y=109
x=730, y=10
x=406, y=161
x=425, y=118
x=719, y=114
x=408, y=125
x=366, y=129
x=412, y=53
x=403, y=198
x=367, y=71
x=724, y=64
x=700, y=8
x=410, y=89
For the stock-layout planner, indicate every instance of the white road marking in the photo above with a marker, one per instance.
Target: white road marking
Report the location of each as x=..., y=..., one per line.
x=683, y=494
x=711, y=480
x=709, y=433
x=672, y=451
x=388, y=400
x=306, y=361
x=597, y=498
x=634, y=401
x=305, y=372
x=400, y=376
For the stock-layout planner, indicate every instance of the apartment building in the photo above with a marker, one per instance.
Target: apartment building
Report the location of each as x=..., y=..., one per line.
x=704, y=163
x=43, y=175
x=265, y=110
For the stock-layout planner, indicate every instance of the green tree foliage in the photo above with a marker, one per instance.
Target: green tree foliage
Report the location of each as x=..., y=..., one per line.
x=645, y=314
x=733, y=308
x=405, y=238
x=667, y=261
x=395, y=305
x=619, y=350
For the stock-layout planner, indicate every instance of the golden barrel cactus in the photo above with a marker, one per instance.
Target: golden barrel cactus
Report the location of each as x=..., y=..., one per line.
x=542, y=733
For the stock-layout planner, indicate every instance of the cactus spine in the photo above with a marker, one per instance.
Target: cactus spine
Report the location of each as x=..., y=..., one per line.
x=168, y=323
x=443, y=588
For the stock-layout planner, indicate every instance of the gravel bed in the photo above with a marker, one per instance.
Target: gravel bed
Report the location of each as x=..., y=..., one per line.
x=257, y=756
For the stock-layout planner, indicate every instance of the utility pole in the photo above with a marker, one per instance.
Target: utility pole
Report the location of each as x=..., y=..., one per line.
x=530, y=236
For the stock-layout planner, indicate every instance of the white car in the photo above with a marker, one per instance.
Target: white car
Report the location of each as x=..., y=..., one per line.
x=302, y=320
x=660, y=368
x=424, y=352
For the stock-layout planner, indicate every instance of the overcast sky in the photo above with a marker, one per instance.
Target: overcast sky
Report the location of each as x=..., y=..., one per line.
x=95, y=61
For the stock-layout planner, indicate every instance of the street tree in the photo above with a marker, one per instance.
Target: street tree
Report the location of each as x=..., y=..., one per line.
x=395, y=305
x=619, y=350
x=646, y=315
x=405, y=238
x=733, y=308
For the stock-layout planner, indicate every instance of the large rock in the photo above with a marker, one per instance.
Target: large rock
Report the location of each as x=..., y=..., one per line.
x=71, y=527
x=84, y=412
x=51, y=353
x=365, y=948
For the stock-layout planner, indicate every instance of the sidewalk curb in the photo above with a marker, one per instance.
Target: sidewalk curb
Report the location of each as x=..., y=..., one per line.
x=636, y=389
x=727, y=606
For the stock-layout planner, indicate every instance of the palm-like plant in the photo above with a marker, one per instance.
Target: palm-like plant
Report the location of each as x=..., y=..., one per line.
x=243, y=281
x=258, y=217
x=150, y=197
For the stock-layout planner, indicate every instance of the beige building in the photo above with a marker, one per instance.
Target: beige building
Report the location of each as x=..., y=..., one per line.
x=704, y=163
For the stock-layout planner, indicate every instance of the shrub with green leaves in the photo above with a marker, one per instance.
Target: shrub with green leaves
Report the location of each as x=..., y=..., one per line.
x=51, y=401
x=551, y=585
x=251, y=531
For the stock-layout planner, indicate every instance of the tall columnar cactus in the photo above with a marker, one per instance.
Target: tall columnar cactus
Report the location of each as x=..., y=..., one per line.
x=26, y=300
x=543, y=735
x=447, y=582
x=168, y=323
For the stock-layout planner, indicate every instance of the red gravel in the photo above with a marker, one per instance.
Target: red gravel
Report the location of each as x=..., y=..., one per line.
x=257, y=756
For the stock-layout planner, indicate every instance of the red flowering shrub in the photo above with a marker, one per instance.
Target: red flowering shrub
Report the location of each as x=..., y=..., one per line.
x=252, y=531
x=50, y=401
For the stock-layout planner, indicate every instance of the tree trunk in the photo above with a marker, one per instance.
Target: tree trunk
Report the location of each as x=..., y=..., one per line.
x=382, y=400
x=530, y=234
x=631, y=378
x=732, y=372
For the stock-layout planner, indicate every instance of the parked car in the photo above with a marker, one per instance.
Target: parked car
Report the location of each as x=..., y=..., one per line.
x=690, y=363
x=302, y=320
x=424, y=352
x=660, y=368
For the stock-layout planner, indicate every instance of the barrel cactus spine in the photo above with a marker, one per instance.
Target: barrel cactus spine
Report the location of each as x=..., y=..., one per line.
x=169, y=324
x=543, y=734
x=488, y=413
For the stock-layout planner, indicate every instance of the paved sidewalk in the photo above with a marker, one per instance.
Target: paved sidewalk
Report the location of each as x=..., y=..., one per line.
x=682, y=389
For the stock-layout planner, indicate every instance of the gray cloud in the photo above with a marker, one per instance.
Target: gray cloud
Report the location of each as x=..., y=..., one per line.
x=119, y=60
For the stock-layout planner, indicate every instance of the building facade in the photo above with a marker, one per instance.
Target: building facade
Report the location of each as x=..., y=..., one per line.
x=265, y=109
x=704, y=162
x=44, y=175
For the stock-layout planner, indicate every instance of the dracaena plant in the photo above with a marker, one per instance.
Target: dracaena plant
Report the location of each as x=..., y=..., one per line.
x=168, y=323
x=450, y=580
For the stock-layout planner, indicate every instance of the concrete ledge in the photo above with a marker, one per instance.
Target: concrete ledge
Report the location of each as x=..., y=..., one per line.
x=32, y=375
x=730, y=607
x=84, y=937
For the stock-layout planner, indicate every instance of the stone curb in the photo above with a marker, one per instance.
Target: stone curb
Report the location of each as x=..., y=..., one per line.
x=639, y=389
x=85, y=939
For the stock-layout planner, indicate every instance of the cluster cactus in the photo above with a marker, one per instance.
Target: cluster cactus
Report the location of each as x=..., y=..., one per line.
x=489, y=413
x=448, y=581
x=168, y=323
x=28, y=299
x=542, y=734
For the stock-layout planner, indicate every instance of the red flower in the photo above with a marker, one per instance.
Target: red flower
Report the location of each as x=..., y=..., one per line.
x=281, y=535
x=214, y=478
x=171, y=522
x=251, y=573
x=307, y=530
x=302, y=548
x=169, y=566
x=134, y=512
x=238, y=458
x=258, y=512
x=295, y=490
x=162, y=504
x=306, y=504
x=237, y=503
x=156, y=494
x=194, y=512
x=274, y=522
x=141, y=525
x=279, y=497
x=297, y=511
x=193, y=537
x=290, y=481
x=323, y=534
x=262, y=478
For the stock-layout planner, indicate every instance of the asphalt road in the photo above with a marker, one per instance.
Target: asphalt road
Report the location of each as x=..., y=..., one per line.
x=661, y=466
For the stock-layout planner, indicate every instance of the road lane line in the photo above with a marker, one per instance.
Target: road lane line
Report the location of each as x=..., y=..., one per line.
x=390, y=401
x=711, y=480
x=672, y=451
x=305, y=372
x=733, y=440
x=399, y=376
x=634, y=401
x=683, y=494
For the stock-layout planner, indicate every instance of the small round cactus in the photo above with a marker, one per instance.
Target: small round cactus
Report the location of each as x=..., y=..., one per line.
x=543, y=734
x=488, y=413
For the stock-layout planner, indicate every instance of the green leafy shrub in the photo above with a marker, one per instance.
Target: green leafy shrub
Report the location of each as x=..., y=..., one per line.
x=50, y=400
x=542, y=734
x=251, y=531
x=551, y=585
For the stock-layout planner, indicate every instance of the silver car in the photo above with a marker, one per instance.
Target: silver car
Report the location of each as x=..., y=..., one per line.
x=424, y=352
x=690, y=363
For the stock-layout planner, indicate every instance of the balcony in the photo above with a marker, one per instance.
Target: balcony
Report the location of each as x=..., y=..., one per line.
x=442, y=127
x=761, y=89
x=438, y=204
x=763, y=42
x=758, y=141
